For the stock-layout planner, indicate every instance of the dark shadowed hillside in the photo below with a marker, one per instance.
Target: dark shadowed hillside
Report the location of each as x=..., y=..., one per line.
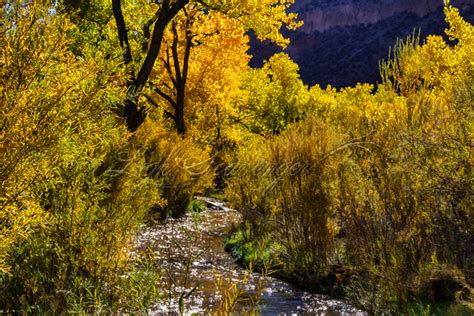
x=342, y=41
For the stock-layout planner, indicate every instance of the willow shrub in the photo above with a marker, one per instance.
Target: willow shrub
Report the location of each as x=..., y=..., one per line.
x=383, y=187
x=284, y=188
x=417, y=227
x=179, y=168
x=73, y=185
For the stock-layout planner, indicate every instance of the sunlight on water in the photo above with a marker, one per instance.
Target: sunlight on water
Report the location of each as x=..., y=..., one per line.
x=191, y=251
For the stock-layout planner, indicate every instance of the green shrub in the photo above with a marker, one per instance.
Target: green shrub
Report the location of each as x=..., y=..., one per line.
x=251, y=251
x=196, y=206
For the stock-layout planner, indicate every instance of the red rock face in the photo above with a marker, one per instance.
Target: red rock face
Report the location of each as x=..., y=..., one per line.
x=349, y=13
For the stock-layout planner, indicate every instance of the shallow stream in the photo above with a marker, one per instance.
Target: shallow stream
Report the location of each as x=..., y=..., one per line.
x=191, y=252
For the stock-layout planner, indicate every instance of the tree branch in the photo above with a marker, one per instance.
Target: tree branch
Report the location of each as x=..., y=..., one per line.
x=166, y=97
x=166, y=13
x=168, y=68
x=122, y=31
x=187, y=53
x=174, y=51
x=146, y=30
x=167, y=113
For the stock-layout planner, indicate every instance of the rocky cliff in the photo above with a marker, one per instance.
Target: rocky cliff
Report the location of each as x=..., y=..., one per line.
x=321, y=16
x=342, y=41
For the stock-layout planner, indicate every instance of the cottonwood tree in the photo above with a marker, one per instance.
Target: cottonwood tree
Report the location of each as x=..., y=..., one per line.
x=176, y=64
x=264, y=17
x=275, y=97
x=200, y=67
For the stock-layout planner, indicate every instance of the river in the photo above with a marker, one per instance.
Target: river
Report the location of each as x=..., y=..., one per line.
x=190, y=251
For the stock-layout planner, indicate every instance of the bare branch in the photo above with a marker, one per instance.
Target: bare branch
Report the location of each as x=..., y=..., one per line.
x=122, y=31
x=165, y=96
x=156, y=105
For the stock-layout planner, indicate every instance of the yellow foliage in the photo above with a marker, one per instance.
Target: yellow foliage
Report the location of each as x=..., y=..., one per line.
x=264, y=17
x=273, y=97
x=386, y=188
x=217, y=61
x=179, y=168
x=72, y=181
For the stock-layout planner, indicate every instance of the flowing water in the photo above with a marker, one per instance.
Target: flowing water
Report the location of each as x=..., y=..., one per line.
x=191, y=253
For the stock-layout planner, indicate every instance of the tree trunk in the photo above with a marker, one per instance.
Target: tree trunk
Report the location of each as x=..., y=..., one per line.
x=179, y=119
x=135, y=116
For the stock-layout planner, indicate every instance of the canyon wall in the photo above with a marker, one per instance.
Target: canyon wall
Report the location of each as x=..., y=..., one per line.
x=358, y=12
x=342, y=41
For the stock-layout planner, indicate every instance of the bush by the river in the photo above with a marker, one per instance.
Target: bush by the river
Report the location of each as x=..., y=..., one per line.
x=373, y=192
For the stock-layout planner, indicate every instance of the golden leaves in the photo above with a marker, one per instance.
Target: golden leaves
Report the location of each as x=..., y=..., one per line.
x=264, y=17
